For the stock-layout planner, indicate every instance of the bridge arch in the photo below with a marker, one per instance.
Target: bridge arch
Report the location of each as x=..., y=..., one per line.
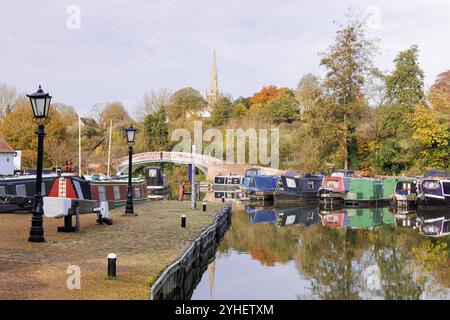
x=201, y=161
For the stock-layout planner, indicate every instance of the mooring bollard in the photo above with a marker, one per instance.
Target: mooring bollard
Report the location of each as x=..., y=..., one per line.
x=112, y=260
x=183, y=221
x=223, y=199
x=204, y=206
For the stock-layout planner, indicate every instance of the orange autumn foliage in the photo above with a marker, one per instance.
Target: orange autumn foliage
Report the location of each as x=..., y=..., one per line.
x=265, y=95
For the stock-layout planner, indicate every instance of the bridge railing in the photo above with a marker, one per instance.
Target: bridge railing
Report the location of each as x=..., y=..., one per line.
x=177, y=157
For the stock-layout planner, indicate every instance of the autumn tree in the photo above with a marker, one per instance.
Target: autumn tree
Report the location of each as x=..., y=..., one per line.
x=18, y=129
x=348, y=62
x=308, y=92
x=184, y=102
x=116, y=112
x=264, y=96
x=278, y=104
x=439, y=96
x=8, y=99
x=152, y=101
x=431, y=138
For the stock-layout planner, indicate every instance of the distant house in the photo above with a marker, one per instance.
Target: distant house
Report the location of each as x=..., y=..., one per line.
x=7, y=155
x=88, y=122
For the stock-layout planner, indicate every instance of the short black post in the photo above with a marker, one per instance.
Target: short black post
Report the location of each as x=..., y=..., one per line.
x=112, y=261
x=183, y=221
x=223, y=199
x=204, y=206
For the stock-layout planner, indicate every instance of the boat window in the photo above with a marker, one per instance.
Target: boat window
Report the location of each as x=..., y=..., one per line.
x=332, y=183
x=446, y=187
x=338, y=174
x=290, y=219
x=290, y=183
x=43, y=191
x=310, y=185
x=102, y=193
x=21, y=191
x=137, y=192
x=116, y=192
x=2, y=191
x=219, y=180
x=430, y=184
x=152, y=173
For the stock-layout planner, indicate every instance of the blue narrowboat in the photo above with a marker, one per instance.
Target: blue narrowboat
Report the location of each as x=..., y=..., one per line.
x=434, y=192
x=262, y=187
x=294, y=187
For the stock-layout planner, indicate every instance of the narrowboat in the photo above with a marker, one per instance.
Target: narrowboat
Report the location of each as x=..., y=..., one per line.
x=303, y=216
x=335, y=186
x=113, y=190
x=261, y=188
x=405, y=193
x=434, y=191
x=157, y=183
x=293, y=188
x=363, y=192
x=434, y=226
x=17, y=192
x=261, y=214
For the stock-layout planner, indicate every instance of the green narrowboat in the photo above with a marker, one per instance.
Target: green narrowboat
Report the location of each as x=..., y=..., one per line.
x=365, y=192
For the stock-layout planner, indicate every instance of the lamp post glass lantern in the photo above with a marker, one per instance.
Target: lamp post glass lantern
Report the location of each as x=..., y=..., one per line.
x=130, y=134
x=40, y=104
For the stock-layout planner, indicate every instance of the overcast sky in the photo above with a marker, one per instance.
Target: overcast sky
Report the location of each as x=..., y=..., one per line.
x=124, y=48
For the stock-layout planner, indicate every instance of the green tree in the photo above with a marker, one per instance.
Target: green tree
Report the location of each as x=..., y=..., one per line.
x=221, y=111
x=431, y=138
x=156, y=131
x=348, y=63
x=404, y=90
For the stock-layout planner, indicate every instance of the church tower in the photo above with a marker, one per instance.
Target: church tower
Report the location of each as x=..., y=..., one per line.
x=213, y=93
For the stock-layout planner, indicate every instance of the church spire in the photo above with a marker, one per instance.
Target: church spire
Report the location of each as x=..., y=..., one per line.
x=214, y=88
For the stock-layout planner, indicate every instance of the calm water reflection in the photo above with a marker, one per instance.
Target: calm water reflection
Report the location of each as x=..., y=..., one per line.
x=321, y=253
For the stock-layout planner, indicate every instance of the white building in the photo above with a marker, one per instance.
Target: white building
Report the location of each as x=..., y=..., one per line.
x=7, y=155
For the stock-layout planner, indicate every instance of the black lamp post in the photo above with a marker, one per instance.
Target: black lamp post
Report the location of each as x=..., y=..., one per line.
x=40, y=103
x=130, y=134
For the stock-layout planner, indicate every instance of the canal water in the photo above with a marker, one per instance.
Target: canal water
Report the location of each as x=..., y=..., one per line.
x=341, y=253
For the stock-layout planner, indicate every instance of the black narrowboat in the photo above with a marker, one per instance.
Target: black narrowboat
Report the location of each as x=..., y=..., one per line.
x=294, y=187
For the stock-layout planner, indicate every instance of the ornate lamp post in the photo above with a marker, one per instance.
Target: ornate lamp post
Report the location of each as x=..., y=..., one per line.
x=130, y=134
x=40, y=103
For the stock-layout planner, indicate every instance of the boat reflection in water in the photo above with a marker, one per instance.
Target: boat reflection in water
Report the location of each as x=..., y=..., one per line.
x=313, y=252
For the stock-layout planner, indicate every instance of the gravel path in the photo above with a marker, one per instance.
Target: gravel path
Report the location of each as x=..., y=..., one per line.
x=144, y=244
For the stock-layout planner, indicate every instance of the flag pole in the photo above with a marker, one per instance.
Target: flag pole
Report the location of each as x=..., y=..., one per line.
x=79, y=146
x=109, y=148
